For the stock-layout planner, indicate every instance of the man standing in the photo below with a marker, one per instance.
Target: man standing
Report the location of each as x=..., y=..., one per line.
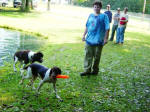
x=109, y=13
x=96, y=32
x=115, y=25
x=122, y=26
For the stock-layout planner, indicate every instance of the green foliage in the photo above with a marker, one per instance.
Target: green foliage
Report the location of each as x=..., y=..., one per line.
x=80, y=1
x=133, y=5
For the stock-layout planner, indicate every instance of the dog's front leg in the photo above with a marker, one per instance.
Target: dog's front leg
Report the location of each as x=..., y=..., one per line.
x=32, y=82
x=22, y=70
x=28, y=76
x=54, y=85
x=16, y=60
x=40, y=85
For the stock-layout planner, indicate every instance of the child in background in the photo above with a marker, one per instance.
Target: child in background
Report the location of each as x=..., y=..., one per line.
x=122, y=26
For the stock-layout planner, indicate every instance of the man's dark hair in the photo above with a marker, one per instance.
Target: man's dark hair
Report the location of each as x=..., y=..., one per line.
x=98, y=3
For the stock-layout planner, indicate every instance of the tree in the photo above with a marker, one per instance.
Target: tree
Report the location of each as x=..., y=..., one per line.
x=70, y=1
x=32, y=4
x=48, y=5
x=25, y=5
x=144, y=6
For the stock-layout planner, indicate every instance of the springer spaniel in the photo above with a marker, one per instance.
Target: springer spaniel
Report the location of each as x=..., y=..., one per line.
x=46, y=74
x=25, y=57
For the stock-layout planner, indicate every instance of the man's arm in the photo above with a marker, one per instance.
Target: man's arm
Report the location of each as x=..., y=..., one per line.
x=85, y=32
x=106, y=37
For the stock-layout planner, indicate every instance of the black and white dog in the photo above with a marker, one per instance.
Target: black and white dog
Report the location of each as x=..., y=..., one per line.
x=25, y=57
x=47, y=75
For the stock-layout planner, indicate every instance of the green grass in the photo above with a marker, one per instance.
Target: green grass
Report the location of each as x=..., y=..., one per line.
x=123, y=83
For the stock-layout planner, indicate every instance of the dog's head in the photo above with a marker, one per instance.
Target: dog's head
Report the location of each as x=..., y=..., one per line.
x=54, y=72
x=37, y=57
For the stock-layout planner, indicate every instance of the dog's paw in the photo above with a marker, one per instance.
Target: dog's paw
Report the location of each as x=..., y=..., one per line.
x=37, y=93
x=61, y=100
x=33, y=88
x=21, y=82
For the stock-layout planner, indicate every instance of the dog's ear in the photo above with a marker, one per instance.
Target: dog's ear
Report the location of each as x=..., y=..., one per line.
x=39, y=54
x=55, y=70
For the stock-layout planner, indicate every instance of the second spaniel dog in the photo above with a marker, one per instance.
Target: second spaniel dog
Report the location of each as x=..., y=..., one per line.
x=25, y=57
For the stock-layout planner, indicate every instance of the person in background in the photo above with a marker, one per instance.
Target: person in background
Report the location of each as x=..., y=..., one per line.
x=96, y=32
x=109, y=13
x=122, y=26
x=115, y=24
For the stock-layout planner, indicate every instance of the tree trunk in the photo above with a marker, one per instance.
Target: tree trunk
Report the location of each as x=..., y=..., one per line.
x=144, y=6
x=27, y=5
x=48, y=5
x=59, y=1
x=23, y=6
x=70, y=2
x=32, y=4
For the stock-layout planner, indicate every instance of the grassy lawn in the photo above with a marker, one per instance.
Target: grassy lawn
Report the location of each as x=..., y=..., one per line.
x=123, y=83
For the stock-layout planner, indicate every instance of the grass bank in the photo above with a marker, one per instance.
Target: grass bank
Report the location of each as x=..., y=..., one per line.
x=123, y=83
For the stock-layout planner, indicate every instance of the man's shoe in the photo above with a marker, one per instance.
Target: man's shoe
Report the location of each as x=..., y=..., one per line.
x=94, y=73
x=85, y=73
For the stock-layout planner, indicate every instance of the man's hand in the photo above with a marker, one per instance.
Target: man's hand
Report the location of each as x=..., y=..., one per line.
x=105, y=41
x=106, y=37
x=83, y=39
x=85, y=32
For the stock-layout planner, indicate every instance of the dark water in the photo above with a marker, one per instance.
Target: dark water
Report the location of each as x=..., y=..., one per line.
x=11, y=41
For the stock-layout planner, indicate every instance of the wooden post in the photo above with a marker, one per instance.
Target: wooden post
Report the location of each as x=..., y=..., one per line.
x=144, y=6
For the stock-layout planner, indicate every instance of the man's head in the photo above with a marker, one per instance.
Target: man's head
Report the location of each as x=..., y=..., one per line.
x=118, y=10
x=125, y=10
x=97, y=7
x=108, y=7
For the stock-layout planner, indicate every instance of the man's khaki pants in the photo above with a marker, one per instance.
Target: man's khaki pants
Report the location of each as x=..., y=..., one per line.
x=92, y=58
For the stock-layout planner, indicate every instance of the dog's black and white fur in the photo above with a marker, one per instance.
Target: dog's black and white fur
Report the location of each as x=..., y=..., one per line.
x=47, y=75
x=25, y=57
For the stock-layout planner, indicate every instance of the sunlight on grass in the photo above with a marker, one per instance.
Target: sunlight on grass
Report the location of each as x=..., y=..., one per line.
x=6, y=98
x=147, y=45
x=61, y=23
x=126, y=50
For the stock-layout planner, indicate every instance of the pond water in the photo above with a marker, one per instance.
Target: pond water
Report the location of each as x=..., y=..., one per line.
x=11, y=41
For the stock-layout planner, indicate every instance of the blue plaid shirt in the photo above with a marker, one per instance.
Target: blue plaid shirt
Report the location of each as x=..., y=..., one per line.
x=96, y=29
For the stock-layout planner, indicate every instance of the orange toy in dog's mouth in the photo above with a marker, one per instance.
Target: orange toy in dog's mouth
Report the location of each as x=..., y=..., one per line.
x=62, y=76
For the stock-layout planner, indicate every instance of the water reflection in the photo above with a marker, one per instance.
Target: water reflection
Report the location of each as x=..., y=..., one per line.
x=11, y=41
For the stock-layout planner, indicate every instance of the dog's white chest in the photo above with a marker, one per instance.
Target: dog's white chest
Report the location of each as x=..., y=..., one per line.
x=47, y=78
x=30, y=54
